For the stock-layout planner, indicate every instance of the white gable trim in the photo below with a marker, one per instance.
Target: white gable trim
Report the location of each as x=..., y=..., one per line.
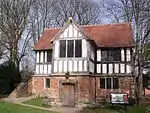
x=75, y=27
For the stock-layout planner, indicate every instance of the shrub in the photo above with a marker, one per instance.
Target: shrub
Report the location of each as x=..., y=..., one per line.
x=9, y=77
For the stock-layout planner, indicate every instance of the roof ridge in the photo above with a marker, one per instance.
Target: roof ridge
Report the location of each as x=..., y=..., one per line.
x=52, y=28
x=98, y=25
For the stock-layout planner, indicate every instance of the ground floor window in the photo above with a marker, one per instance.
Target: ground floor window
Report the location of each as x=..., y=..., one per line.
x=47, y=83
x=109, y=83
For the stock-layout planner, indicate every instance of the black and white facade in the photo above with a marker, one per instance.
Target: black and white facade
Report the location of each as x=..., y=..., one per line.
x=74, y=52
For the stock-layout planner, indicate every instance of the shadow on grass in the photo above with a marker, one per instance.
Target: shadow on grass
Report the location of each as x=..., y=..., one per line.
x=118, y=108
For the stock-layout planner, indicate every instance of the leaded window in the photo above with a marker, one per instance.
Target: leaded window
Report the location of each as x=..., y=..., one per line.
x=111, y=54
x=70, y=48
x=109, y=83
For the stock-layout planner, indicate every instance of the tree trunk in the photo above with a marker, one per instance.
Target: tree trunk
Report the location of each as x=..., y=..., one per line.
x=139, y=84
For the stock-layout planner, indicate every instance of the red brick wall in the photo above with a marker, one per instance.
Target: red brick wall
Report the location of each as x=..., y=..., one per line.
x=84, y=87
x=124, y=86
x=38, y=86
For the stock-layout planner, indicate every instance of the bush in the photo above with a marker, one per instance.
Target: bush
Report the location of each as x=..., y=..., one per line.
x=9, y=77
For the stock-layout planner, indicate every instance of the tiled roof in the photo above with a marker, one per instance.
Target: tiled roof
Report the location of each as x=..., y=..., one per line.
x=112, y=35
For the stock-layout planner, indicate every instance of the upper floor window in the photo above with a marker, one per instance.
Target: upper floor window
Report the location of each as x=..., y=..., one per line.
x=49, y=56
x=111, y=54
x=70, y=48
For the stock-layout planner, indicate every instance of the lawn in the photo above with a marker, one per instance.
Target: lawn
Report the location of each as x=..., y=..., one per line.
x=36, y=102
x=6, y=107
x=115, y=109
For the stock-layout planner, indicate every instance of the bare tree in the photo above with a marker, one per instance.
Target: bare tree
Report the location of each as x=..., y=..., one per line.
x=52, y=13
x=84, y=12
x=1, y=50
x=41, y=17
x=13, y=21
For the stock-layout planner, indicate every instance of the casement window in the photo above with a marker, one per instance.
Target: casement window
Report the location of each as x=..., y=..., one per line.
x=109, y=83
x=62, y=49
x=70, y=48
x=78, y=48
x=49, y=56
x=47, y=83
x=111, y=54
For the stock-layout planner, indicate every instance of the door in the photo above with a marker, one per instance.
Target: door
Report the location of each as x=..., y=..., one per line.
x=68, y=95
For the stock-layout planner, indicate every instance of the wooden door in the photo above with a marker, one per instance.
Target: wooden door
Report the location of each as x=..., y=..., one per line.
x=68, y=95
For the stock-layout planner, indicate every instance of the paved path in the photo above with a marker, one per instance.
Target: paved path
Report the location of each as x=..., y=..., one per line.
x=56, y=108
x=17, y=100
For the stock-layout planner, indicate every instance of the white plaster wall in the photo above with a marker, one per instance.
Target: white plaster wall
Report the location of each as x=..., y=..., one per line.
x=122, y=66
x=128, y=67
x=91, y=67
x=99, y=55
x=116, y=68
x=98, y=68
x=84, y=48
x=128, y=54
x=41, y=57
x=49, y=68
x=104, y=68
x=110, y=68
x=37, y=69
x=56, y=51
x=122, y=55
x=37, y=57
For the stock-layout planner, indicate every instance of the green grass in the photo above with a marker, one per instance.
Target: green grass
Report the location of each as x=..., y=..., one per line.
x=115, y=109
x=6, y=107
x=36, y=102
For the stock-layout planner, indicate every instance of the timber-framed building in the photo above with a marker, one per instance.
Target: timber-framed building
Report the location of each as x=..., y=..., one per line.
x=78, y=64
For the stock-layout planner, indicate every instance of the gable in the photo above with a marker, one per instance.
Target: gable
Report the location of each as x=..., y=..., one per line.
x=113, y=35
x=71, y=31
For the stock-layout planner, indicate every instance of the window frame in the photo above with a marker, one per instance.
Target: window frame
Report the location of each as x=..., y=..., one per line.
x=74, y=49
x=46, y=83
x=110, y=54
x=102, y=86
x=61, y=50
x=49, y=56
x=112, y=79
x=77, y=52
x=70, y=49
